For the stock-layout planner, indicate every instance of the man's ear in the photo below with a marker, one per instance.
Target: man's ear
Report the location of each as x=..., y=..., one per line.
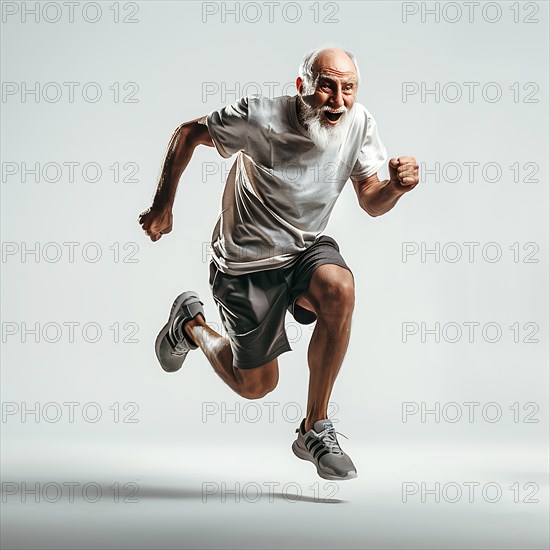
x=299, y=85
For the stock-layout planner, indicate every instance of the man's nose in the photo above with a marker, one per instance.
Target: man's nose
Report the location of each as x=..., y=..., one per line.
x=337, y=98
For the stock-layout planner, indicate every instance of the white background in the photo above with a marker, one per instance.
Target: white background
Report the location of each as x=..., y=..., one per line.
x=186, y=59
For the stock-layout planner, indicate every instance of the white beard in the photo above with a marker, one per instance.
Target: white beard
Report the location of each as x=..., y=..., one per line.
x=323, y=134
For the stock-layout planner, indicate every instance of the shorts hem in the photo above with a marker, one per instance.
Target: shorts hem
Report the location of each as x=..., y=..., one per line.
x=260, y=363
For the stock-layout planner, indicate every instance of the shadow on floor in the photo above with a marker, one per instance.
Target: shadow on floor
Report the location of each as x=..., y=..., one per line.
x=181, y=493
x=134, y=492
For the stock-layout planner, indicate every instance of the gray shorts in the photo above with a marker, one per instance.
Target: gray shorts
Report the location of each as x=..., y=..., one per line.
x=253, y=306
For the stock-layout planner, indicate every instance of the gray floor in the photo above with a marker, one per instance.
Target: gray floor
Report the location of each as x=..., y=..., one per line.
x=223, y=497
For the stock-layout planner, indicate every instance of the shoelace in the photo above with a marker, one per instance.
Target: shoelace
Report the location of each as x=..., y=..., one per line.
x=327, y=436
x=181, y=348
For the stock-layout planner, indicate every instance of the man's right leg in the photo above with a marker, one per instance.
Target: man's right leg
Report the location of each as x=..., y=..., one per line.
x=249, y=383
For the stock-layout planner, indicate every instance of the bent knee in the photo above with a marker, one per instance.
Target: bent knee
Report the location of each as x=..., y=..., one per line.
x=258, y=382
x=257, y=391
x=336, y=292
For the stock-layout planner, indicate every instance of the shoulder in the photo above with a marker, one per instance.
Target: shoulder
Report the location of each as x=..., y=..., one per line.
x=262, y=103
x=266, y=111
x=364, y=123
x=362, y=115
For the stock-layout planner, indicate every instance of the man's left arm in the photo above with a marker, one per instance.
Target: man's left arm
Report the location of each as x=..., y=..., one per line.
x=378, y=197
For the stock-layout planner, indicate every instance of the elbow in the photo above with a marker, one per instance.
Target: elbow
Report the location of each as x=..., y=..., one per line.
x=183, y=138
x=372, y=212
x=183, y=131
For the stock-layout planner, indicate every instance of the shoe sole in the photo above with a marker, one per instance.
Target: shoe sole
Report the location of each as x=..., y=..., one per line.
x=176, y=365
x=305, y=455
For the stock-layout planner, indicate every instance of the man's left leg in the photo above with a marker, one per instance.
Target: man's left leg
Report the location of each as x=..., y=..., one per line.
x=331, y=296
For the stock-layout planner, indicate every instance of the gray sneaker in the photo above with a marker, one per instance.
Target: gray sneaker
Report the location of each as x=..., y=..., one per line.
x=172, y=345
x=321, y=447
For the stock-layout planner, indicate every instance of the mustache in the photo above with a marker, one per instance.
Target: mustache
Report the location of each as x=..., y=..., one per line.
x=342, y=109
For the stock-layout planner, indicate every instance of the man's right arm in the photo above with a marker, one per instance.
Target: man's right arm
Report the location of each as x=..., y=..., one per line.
x=157, y=220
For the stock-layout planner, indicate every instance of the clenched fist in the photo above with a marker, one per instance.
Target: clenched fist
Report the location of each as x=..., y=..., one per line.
x=403, y=172
x=156, y=222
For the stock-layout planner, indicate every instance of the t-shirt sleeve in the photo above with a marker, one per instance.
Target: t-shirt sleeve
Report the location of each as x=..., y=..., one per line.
x=227, y=127
x=372, y=155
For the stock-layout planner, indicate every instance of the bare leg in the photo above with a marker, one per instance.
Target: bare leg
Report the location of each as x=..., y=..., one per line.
x=249, y=383
x=331, y=296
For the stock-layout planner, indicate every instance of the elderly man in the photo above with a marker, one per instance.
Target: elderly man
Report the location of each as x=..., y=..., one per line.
x=294, y=156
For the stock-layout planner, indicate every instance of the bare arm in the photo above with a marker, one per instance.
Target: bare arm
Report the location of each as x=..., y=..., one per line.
x=378, y=197
x=157, y=220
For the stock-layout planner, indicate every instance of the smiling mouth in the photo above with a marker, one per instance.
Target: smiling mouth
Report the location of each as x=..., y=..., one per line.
x=333, y=117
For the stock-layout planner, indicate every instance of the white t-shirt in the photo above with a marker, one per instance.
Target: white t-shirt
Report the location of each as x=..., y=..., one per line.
x=282, y=188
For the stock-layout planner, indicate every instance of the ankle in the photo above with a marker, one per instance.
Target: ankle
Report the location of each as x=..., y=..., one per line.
x=189, y=326
x=310, y=421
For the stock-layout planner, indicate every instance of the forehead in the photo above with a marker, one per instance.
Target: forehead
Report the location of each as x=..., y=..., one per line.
x=335, y=65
